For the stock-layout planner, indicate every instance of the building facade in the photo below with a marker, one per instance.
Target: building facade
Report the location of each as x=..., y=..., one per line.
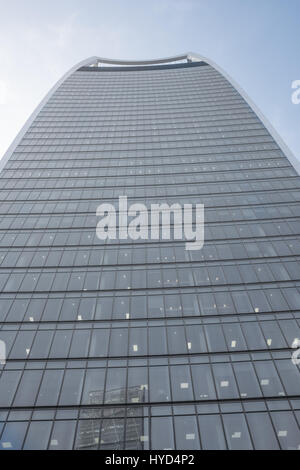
x=123, y=344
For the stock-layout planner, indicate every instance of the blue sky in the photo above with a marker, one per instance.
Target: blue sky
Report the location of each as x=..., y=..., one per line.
x=255, y=41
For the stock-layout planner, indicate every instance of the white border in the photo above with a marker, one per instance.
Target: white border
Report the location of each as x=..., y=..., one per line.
x=189, y=56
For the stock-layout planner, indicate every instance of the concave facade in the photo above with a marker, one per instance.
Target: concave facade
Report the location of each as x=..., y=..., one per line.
x=142, y=344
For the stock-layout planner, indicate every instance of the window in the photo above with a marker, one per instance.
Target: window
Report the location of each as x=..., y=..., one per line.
x=211, y=432
x=262, y=432
x=162, y=434
x=186, y=433
x=236, y=431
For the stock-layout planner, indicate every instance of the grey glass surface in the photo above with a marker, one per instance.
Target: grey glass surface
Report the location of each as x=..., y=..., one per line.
x=140, y=344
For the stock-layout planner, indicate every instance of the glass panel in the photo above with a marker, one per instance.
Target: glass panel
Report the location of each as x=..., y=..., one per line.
x=162, y=437
x=80, y=344
x=62, y=435
x=262, y=431
x=94, y=387
x=287, y=430
x=159, y=384
x=211, y=432
x=41, y=345
x=138, y=342
x=157, y=341
x=118, y=345
x=71, y=388
x=246, y=379
x=225, y=381
x=186, y=433
x=176, y=340
x=50, y=388
x=236, y=431
x=28, y=388
x=268, y=378
x=99, y=343
x=38, y=435
x=8, y=385
x=195, y=338
x=137, y=434
x=115, y=386
x=290, y=376
x=215, y=338
x=61, y=344
x=13, y=436
x=181, y=383
x=203, y=382
x=137, y=386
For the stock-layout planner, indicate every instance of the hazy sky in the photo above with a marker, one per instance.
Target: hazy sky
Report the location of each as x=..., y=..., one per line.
x=255, y=41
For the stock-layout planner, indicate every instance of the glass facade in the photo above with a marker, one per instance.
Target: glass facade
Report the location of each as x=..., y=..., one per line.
x=124, y=344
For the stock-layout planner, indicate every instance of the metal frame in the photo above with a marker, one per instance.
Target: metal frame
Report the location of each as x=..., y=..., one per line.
x=189, y=57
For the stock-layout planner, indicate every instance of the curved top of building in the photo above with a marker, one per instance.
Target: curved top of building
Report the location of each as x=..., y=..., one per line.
x=96, y=61
x=181, y=60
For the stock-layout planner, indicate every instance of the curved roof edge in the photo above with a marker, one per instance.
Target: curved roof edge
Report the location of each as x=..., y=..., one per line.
x=189, y=56
x=164, y=60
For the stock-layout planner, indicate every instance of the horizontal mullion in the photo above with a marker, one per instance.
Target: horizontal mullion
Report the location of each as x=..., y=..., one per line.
x=159, y=264
x=139, y=166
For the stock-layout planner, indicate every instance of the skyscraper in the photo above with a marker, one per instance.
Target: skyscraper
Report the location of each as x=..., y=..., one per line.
x=124, y=344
